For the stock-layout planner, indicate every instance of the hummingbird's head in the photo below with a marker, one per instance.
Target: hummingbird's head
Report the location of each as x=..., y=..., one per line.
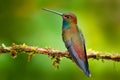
x=69, y=17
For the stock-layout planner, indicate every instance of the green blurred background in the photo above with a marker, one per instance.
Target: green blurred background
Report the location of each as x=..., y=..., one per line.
x=23, y=21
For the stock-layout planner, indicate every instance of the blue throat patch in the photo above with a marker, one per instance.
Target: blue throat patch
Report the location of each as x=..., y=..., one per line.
x=66, y=24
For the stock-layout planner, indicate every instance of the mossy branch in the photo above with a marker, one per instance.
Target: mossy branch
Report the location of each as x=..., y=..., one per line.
x=14, y=49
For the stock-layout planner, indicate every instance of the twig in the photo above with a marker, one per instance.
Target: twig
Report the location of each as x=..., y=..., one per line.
x=31, y=50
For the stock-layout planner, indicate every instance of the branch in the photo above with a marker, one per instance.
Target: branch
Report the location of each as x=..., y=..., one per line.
x=14, y=49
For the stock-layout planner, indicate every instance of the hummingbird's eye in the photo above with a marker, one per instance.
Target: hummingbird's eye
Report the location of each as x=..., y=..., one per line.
x=67, y=17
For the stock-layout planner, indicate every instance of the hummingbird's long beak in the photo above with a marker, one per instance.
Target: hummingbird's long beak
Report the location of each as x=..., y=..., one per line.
x=53, y=11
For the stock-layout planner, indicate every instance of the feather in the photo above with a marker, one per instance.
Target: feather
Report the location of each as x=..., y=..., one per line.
x=78, y=54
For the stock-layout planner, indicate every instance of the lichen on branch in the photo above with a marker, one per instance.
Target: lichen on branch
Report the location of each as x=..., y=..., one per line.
x=15, y=49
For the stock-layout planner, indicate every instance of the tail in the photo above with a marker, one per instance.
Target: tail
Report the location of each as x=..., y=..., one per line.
x=84, y=66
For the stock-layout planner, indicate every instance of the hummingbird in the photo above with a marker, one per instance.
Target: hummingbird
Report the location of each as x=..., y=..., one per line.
x=74, y=40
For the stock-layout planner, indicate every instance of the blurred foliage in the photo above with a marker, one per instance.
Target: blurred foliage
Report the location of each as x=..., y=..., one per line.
x=23, y=21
